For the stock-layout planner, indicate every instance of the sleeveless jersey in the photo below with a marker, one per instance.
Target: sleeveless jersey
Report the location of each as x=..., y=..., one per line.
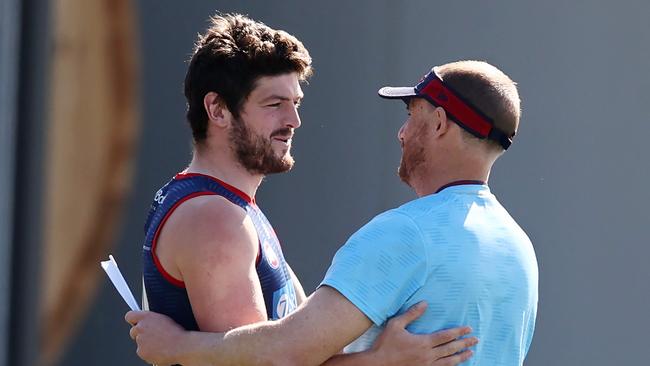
x=167, y=295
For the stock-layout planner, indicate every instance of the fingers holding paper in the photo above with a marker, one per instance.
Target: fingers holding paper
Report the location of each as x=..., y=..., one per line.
x=158, y=337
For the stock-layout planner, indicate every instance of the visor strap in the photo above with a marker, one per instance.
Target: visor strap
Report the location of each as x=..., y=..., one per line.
x=460, y=111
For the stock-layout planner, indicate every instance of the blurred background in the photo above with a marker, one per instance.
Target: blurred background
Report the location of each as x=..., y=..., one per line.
x=92, y=124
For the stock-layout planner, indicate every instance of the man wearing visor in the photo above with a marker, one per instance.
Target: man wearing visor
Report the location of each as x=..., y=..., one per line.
x=454, y=247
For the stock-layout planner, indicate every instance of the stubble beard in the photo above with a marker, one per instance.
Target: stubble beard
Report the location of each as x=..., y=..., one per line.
x=255, y=153
x=412, y=158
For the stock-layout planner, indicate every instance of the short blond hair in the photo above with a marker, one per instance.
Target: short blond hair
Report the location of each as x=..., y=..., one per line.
x=488, y=89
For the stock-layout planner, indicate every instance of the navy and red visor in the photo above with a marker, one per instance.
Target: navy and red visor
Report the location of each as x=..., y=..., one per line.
x=463, y=113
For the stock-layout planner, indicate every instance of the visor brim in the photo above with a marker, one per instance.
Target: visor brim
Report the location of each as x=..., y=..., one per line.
x=390, y=92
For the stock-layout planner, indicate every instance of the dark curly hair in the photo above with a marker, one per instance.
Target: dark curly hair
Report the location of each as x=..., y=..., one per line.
x=233, y=53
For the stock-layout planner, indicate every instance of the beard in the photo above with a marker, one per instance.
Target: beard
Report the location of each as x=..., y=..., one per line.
x=255, y=153
x=413, y=155
x=412, y=158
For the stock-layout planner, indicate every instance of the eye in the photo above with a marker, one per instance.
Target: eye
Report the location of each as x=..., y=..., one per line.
x=274, y=105
x=297, y=104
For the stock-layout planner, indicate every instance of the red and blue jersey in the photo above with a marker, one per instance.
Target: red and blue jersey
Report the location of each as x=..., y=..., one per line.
x=167, y=295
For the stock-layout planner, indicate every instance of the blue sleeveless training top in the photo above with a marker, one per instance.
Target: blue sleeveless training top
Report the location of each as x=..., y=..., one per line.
x=167, y=295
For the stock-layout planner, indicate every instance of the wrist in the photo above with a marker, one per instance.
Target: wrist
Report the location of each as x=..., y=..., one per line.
x=193, y=350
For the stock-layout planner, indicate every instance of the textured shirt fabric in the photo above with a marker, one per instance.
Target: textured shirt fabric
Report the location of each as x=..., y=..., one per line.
x=461, y=252
x=167, y=295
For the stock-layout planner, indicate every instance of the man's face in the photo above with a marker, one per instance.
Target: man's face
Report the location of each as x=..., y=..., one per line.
x=412, y=137
x=261, y=137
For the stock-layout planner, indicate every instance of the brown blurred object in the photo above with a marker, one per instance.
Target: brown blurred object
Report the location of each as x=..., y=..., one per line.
x=94, y=123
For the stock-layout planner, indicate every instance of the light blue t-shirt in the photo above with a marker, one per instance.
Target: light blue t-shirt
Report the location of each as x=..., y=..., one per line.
x=461, y=252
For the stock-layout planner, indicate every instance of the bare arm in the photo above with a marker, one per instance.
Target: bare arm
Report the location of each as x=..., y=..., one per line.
x=300, y=292
x=211, y=245
x=322, y=326
x=396, y=346
x=318, y=329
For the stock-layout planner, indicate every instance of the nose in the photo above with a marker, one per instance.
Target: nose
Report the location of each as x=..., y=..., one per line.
x=293, y=119
x=400, y=133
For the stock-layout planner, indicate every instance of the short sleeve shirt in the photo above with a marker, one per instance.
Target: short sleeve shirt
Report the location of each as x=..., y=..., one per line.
x=458, y=250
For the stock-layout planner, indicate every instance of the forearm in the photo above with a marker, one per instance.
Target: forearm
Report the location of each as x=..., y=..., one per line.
x=319, y=328
x=198, y=348
x=259, y=344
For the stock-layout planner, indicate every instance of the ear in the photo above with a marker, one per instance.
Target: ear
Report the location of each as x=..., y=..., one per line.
x=441, y=122
x=216, y=110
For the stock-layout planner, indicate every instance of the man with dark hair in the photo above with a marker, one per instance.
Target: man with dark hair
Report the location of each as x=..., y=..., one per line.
x=211, y=260
x=208, y=245
x=454, y=247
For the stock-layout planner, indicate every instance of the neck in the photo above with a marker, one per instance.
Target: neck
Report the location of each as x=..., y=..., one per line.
x=430, y=181
x=221, y=163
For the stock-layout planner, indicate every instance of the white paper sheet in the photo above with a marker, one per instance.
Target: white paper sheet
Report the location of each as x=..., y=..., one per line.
x=113, y=272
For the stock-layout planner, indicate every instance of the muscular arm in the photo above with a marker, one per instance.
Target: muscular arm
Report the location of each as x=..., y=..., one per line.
x=297, y=340
x=317, y=330
x=300, y=292
x=321, y=327
x=211, y=245
x=396, y=346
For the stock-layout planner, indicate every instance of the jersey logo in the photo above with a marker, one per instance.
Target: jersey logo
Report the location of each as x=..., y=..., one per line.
x=271, y=257
x=159, y=198
x=283, y=306
x=284, y=301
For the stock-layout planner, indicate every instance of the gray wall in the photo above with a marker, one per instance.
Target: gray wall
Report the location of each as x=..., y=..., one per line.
x=575, y=178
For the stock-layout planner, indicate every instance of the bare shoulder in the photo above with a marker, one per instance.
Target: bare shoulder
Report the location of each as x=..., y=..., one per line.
x=209, y=211
x=211, y=220
x=211, y=245
x=206, y=229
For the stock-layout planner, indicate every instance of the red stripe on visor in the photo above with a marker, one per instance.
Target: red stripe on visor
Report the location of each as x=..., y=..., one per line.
x=460, y=111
